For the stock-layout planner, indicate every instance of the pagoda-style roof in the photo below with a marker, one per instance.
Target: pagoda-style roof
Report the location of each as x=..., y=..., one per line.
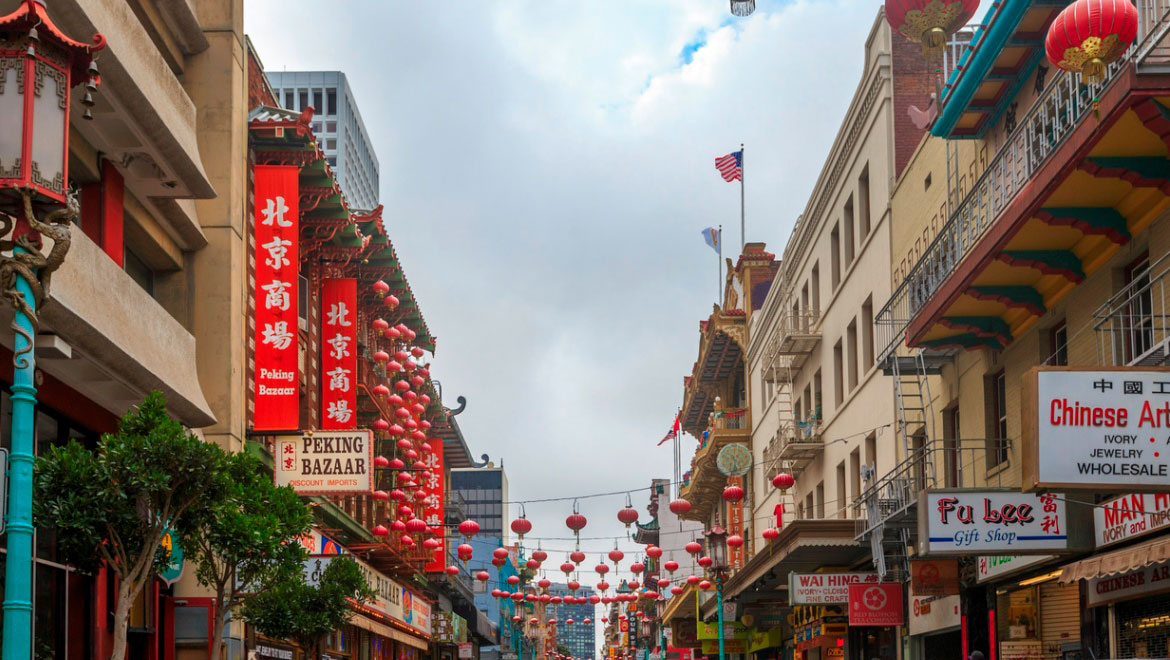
x=722, y=343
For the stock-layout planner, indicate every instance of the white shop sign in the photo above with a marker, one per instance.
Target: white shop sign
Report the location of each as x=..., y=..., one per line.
x=964, y=522
x=994, y=566
x=1130, y=516
x=325, y=462
x=932, y=613
x=824, y=588
x=387, y=593
x=1097, y=429
x=1140, y=582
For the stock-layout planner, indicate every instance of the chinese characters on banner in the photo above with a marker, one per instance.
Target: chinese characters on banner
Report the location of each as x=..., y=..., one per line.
x=277, y=393
x=434, y=511
x=338, y=353
x=735, y=556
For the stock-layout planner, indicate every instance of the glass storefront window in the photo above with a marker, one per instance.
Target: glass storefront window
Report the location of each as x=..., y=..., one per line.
x=1016, y=618
x=1143, y=628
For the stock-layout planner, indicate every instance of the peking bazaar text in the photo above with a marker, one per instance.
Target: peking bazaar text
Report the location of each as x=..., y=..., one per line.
x=326, y=462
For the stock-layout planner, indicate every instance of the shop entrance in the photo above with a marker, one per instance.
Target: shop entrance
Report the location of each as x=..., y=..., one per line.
x=943, y=646
x=872, y=643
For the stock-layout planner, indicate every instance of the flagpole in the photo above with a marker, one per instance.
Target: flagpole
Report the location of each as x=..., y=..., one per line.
x=720, y=258
x=742, y=167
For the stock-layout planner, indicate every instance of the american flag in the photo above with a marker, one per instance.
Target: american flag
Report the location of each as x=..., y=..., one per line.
x=730, y=166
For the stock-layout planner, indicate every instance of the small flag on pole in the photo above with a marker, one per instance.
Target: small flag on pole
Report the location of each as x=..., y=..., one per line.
x=713, y=237
x=672, y=434
x=730, y=166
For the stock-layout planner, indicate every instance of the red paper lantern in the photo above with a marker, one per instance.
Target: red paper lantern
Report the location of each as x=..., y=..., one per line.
x=663, y=583
x=706, y=562
x=416, y=526
x=650, y=595
x=381, y=391
x=483, y=576
x=521, y=526
x=783, y=481
x=544, y=583
x=1090, y=34
x=432, y=544
x=540, y=555
x=637, y=568
x=674, y=591
x=735, y=541
x=567, y=568
x=733, y=493
x=469, y=528
x=513, y=580
x=532, y=564
x=574, y=585
x=693, y=547
x=705, y=585
x=391, y=301
x=398, y=526
x=929, y=22
x=576, y=522
x=381, y=288
x=577, y=557
x=452, y=570
x=633, y=584
x=693, y=579
x=616, y=555
x=380, y=530
x=500, y=553
x=680, y=507
x=771, y=534
x=603, y=586
x=654, y=552
x=465, y=551
x=670, y=566
x=628, y=516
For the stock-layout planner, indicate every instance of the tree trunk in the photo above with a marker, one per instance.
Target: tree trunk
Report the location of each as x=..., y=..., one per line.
x=217, y=635
x=121, y=621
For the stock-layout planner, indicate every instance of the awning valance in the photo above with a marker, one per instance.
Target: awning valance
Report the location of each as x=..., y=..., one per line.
x=1118, y=561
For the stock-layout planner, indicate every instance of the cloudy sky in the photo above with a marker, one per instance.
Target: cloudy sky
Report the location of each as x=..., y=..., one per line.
x=546, y=168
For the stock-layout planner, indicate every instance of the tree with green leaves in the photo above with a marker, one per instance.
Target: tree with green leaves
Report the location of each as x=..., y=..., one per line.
x=248, y=540
x=303, y=612
x=113, y=506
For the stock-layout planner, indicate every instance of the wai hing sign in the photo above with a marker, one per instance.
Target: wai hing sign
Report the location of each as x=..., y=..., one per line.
x=325, y=462
x=824, y=588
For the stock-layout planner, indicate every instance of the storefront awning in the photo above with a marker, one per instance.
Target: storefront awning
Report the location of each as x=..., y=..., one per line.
x=384, y=630
x=803, y=545
x=1118, y=561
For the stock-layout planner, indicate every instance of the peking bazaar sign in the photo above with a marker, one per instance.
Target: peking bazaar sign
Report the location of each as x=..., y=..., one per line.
x=338, y=353
x=326, y=462
x=277, y=352
x=433, y=512
x=1094, y=429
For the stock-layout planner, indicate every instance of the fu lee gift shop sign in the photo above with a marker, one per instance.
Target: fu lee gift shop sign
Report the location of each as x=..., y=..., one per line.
x=962, y=522
x=325, y=462
x=1096, y=429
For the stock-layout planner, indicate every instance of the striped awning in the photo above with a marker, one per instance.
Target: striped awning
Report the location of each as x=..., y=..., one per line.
x=1118, y=561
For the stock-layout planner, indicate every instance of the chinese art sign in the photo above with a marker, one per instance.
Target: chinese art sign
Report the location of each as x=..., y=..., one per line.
x=963, y=522
x=1096, y=429
x=326, y=462
x=277, y=395
x=338, y=354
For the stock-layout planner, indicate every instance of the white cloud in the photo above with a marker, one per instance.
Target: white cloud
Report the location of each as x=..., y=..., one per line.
x=546, y=169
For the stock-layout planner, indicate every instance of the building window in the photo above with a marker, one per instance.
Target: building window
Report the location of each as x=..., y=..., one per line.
x=1058, y=337
x=867, y=333
x=303, y=97
x=863, y=201
x=318, y=101
x=138, y=271
x=842, y=494
x=330, y=127
x=849, y=248
x=996, y=441
x=838, y=375
x=331, y=101
x=851, y=341
x=835, y=257
x=288, y=99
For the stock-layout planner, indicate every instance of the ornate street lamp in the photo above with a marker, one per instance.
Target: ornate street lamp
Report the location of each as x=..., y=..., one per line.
x=742, y=7
x=39, y=67
x=717, y=545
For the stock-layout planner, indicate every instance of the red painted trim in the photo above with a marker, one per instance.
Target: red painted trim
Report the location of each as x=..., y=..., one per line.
x=113, y=212
x=168, y=631
x=152, y=654
x=64, y=399
x=1119, y=98
x=91, y=211
x=966, y=651
x=993, y=645
x=209, y=603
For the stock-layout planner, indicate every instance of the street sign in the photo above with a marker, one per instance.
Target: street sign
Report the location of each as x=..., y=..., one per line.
x=174, y=569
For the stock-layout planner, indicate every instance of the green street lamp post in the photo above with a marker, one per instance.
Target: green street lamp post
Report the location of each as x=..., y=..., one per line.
x=717, y=544
x=39, y=67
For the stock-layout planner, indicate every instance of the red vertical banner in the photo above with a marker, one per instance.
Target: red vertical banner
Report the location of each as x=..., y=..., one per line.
x=434, y=511
x=735, y=556
x=339, y=354
x=277, y=394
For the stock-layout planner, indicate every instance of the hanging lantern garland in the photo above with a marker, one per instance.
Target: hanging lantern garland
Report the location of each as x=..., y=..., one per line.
x=929, y=22
x=1088, y=35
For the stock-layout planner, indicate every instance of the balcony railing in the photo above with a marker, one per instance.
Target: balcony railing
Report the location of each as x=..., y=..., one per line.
x=946, y=463
x=1133, y=327
x=1058, y=111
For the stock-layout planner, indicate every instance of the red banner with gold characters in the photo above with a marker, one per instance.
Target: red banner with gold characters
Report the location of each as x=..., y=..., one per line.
x=338, y=354
x=277, y=394
x=434, y=509
x=735, y=556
